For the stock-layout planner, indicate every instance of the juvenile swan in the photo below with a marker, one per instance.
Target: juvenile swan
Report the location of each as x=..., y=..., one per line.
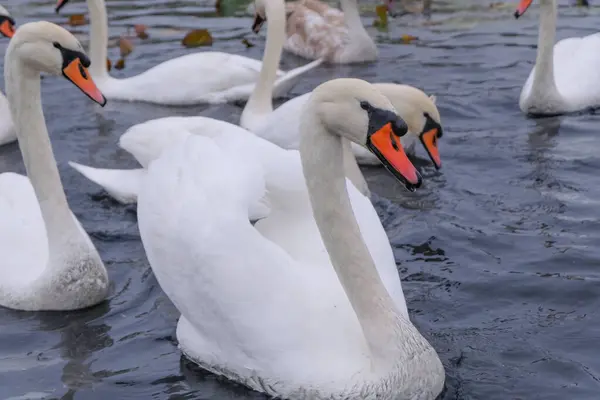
x=48, y=261
x=249, y=310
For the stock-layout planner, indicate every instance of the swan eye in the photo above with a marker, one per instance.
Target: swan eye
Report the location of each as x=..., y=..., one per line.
x=365, y=105
x=57, y=45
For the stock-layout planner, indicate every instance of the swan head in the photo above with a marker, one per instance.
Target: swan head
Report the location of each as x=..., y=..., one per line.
x=260, y=15
x=357, y=111
x=46, y=47
x=7, y=24
x=420, y=113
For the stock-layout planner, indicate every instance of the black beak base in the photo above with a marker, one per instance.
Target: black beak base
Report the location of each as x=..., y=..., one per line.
x=378, y=118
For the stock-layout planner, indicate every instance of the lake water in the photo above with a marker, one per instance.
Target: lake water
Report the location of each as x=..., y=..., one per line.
x=497, y=252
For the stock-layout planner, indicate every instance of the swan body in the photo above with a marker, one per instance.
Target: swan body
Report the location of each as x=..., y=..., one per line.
x=566, y=77
x=7, y=127
x=287, y=195
x=257, y=315
x=315, y=30
x=202, y=77
x=49, y=262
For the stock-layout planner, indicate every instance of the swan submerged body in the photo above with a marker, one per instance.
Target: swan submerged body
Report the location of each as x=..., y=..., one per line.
x=566, y=77
x=315, y=30
x=289, y=327
x=202, y=77
x=49, y=262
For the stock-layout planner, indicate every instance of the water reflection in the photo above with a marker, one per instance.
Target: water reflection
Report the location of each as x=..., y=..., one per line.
x=82, y=334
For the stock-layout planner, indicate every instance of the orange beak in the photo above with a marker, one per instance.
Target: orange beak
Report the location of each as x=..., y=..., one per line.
x=79, y=75
x=429, y=140
x=387, y=147
x=60, y=4
x=7, y=28
x=523, y=6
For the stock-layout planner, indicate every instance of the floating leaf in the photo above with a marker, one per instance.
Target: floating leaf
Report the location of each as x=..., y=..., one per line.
x=120, y=64
x=125, y=46
x=77, y=19
x=197, y=38
x=407, y=39
x=108, y=64
x=140, y=31
x=382, y=16
x=247, y=43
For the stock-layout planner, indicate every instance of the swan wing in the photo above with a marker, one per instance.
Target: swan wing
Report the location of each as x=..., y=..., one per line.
x=576, y=71
x=121, y=184
x=248, y=309
x=311, y=35
x=23, y=240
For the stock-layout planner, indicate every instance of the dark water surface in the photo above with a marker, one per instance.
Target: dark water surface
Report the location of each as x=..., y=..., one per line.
x=497, y=253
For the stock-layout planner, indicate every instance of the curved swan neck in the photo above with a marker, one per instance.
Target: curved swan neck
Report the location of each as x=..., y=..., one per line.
x=322, y=162
x=352, y=169
x=98, y=38
x=544, y=64
x=352, y=17
x=23, y=92
x=261, y=99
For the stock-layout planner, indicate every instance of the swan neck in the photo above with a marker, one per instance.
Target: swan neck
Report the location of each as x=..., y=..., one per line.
x=24, y=96
x=544, y=64
x=352, y=169
x=98, y=38
x=261, y=99
x=352, y=17
x=322, y=161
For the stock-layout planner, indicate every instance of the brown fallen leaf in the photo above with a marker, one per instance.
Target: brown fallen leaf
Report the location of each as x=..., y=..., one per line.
x=120, y=64
x=140, y=31
x=77, y=20
x=125, y=46
x=108, y=64
x=247, y=43
x=407, y=39
x=197, y=38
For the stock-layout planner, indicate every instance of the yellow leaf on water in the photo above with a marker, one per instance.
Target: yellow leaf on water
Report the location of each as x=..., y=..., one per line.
x=120, y=64
x=140, y=31
x=197, y=38
x=407, y=39
x=247, y=43
x=77, y=19
x=125, y=46
x=108, y=64
x=382, y=16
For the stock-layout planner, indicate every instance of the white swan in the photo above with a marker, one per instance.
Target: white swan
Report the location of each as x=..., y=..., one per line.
x=315, y=30
x=48, y=261
x=202, y=77
x=147, y=140
x=7, y=127
x=566, y=77
x=250, y=311
x=282, y=126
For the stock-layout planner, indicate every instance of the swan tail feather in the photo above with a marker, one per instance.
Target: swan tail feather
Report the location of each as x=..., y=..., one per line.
x=120, y=184
x=285, y=83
